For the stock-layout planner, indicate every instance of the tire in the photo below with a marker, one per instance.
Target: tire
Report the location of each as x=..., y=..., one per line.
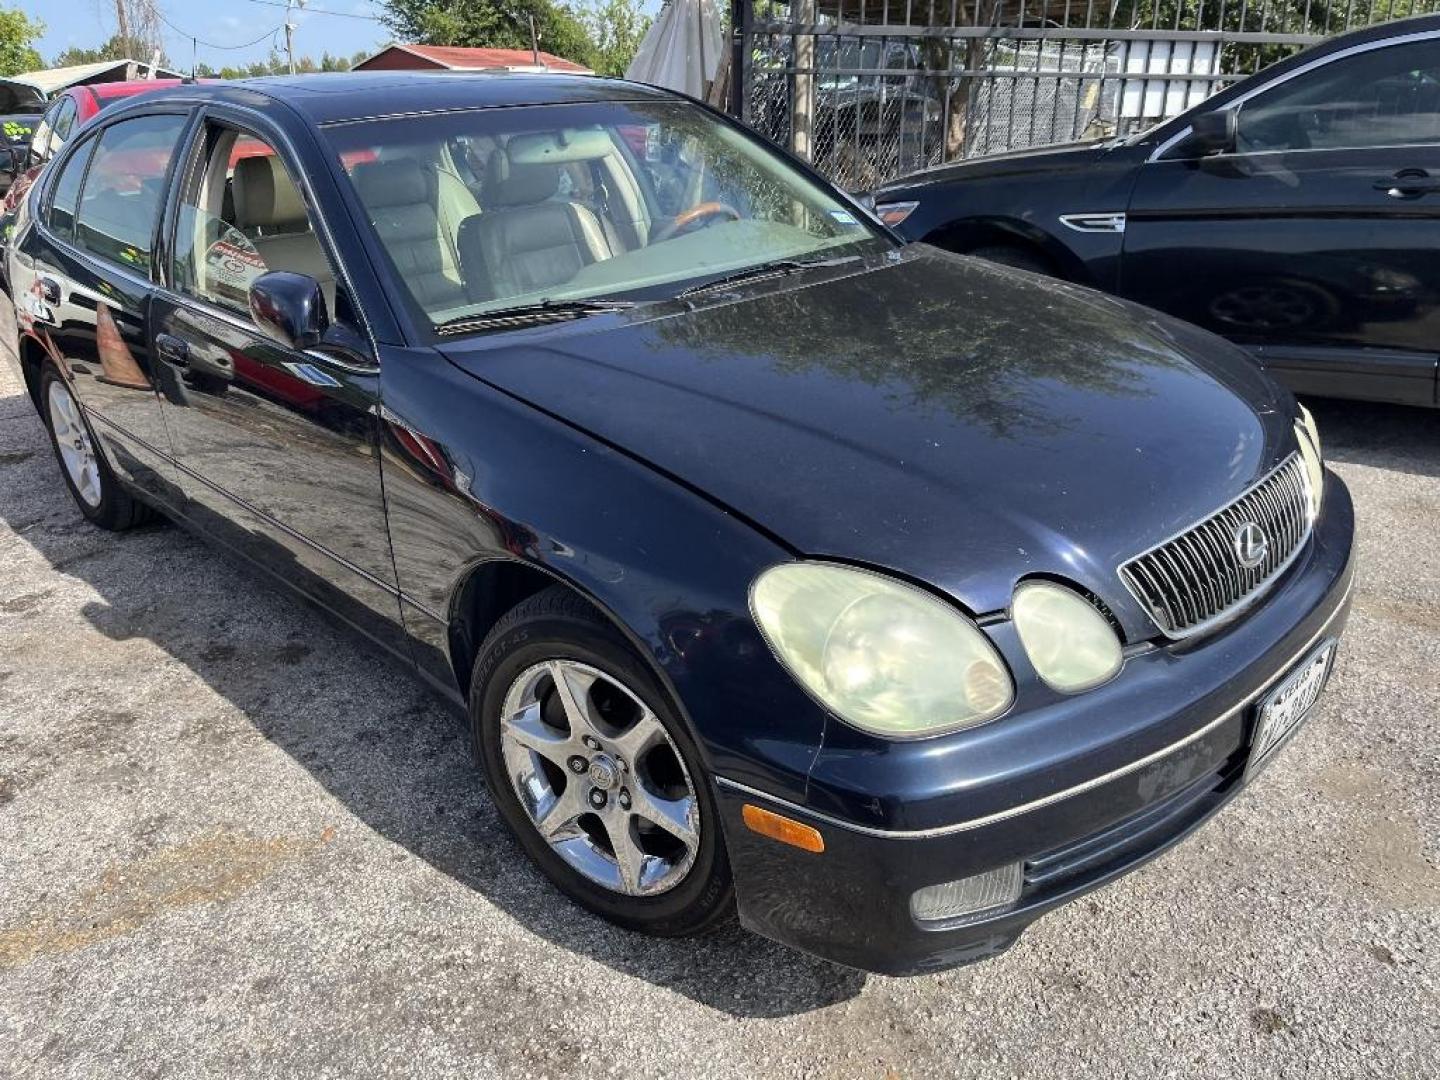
x=681, y=888
x=1020, y=258
x=96, y=490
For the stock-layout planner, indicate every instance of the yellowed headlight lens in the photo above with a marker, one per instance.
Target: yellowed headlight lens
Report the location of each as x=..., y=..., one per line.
x=1307, y=434
x=882, y=655
x=1070, y=643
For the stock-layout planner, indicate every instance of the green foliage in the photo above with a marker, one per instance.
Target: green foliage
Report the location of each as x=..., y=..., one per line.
x=276, y=64
x=495, y=24
x=117, y=48
x=17, y=36
x=617, y=27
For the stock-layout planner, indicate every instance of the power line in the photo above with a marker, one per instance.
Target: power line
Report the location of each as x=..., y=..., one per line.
x=321, y=11
x=210, y=44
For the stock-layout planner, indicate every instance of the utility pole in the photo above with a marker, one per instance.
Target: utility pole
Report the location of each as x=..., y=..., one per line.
x=290, y=5
x=122, y=22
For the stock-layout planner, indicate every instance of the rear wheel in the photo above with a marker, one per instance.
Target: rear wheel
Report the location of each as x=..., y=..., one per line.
x=593, y=771
x=93, y=486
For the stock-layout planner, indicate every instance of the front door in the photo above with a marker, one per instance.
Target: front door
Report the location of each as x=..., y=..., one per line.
x=276, y=448
x=1315, y=242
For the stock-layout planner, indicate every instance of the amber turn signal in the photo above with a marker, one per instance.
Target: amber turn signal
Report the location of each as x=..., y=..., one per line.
x=787, y=831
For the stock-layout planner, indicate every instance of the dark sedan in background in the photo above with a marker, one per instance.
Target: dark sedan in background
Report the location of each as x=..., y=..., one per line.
x=1297, y=213
x=765, y=574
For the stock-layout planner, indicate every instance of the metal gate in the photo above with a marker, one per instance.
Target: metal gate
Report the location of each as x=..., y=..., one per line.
x=871, y=89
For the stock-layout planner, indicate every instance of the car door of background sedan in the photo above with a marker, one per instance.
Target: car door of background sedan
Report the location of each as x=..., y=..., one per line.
x=276, y=447
x=1316, y=242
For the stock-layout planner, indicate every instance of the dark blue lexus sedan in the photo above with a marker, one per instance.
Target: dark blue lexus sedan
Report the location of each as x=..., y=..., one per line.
x=886, y=596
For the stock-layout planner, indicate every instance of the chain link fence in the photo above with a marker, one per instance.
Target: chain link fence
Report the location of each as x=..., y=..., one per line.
x=868, y=90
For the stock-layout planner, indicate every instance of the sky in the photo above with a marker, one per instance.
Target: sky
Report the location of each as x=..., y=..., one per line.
x=87, y=23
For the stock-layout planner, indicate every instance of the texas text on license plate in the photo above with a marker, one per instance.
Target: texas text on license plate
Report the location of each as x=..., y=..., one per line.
x=1285, y=706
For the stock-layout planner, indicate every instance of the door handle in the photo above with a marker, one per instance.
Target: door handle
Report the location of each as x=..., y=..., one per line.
x=1408, y=184
x=172, y=350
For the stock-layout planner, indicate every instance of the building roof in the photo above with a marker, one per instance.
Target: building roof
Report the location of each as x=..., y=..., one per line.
x=462, y=58
x=50, y=80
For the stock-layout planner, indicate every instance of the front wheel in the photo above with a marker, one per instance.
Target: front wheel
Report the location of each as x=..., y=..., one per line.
x=1021, y=258
x=593, y=771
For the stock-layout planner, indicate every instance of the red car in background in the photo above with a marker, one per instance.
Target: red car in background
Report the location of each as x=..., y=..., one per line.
x=67, y=112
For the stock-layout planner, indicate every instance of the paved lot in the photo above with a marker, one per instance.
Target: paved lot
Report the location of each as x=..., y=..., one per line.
x=234, y=842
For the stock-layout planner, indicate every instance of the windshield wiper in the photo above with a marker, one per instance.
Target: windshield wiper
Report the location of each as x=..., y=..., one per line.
x=537, y=314
x=774, y=268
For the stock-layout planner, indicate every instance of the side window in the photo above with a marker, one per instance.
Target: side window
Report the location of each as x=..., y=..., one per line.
x=40, y=141
x=125, y=188
x=66, y=194
x=64, y=124
x=1384, y=97
x=242, y=215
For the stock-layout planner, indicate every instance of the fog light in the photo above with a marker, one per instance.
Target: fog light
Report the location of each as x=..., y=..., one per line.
x=969, y=898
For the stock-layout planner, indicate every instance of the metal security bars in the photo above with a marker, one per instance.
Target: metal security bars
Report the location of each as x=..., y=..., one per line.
x=871, y=89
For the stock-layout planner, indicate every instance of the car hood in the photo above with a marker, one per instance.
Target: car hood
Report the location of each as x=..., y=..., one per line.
x=1081, y=155
x=953, y=421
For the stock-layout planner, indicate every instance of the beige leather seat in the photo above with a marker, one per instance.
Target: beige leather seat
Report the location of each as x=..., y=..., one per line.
x=271, y=214
x=408, y=218
x=527, y=240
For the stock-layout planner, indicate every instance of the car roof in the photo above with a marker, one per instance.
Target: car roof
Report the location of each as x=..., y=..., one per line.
x=357, y=95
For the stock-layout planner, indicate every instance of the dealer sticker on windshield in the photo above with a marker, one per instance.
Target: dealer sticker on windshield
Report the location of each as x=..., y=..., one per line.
x=1286, y=705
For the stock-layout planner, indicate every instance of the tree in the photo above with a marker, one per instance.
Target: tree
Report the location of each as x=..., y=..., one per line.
x=496, y=24
x=17, y=36
x=117, y=48
x=617, y=27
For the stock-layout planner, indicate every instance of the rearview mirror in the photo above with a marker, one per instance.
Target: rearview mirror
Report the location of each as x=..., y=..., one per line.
x=290, y=308
x=1213, y=132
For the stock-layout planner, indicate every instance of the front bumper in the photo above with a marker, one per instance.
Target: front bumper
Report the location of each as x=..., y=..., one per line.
x=850, y=904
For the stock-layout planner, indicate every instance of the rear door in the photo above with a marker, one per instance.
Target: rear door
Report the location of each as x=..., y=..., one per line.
x=1315, y=242
x=85, y=284
x=276, y=448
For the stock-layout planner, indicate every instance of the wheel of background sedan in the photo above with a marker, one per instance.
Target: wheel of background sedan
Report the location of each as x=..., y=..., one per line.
x=1018, y=257
x=593, y=771
x=96, y=491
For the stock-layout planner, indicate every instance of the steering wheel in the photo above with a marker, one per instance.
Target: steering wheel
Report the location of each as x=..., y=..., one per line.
x=698, y=212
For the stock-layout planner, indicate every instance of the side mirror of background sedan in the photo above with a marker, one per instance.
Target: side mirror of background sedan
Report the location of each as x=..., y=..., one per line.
x=290, y=308
x=1213, y=132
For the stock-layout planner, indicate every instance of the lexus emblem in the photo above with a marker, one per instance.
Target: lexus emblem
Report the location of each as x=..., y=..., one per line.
x=1251, y=545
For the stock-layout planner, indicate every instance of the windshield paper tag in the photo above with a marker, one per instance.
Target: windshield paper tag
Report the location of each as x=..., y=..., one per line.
x=844, y=217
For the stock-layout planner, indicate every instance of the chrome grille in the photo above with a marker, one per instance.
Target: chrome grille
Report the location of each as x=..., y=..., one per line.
x=1197, y=579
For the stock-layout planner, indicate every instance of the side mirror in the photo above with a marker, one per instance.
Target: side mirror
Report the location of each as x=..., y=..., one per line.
x=1213, y=132
x=290, y=308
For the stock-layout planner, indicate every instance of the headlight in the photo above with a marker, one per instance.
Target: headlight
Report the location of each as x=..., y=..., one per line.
x=894, y=213
x=1070, y=643
x=880, y=654
x=1308, y=435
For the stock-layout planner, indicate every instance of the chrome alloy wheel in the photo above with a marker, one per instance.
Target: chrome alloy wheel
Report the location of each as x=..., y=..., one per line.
x=600, y=778
x=77, y=453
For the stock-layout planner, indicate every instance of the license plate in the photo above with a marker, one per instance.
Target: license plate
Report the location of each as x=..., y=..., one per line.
x=1286, y=705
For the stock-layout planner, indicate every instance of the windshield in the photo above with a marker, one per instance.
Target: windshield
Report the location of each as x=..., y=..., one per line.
x=490, y=209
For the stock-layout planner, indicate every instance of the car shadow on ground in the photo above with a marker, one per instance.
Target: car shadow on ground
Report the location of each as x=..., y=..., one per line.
x=365, y=729
x=1400, y=438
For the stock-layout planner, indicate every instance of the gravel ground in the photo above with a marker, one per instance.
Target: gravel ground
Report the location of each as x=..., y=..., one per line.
x=234, y=842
